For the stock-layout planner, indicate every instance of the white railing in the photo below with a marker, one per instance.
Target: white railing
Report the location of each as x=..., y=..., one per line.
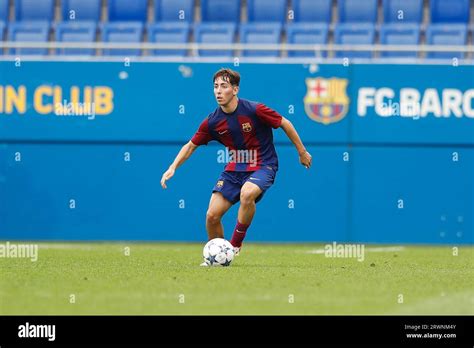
x=236, y=48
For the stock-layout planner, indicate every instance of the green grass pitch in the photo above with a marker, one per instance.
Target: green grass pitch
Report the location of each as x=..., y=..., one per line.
x=266, y=279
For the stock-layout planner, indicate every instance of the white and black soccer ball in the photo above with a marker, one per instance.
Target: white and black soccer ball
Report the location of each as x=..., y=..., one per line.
x=218, y=252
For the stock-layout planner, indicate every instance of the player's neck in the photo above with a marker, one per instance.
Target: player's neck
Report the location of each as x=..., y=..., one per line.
x=231, y=106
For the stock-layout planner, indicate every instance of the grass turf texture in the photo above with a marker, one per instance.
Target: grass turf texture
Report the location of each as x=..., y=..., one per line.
x=262, y=280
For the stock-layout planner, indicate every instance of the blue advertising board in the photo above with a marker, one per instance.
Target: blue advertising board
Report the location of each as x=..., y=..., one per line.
x=83, y=146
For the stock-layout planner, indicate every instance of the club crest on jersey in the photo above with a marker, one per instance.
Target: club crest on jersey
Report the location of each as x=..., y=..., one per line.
x=326, y=100
x=246, y=127
x=220, y=183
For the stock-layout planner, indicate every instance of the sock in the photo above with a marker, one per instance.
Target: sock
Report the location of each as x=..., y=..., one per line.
x=239, y=234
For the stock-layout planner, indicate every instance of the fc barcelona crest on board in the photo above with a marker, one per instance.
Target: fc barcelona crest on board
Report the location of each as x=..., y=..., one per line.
x=326, y=100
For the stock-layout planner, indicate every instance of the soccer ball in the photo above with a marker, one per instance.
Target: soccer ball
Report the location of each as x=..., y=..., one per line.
x=218, y=252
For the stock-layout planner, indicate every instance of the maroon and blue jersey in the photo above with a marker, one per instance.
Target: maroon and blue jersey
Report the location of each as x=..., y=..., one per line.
x=248, y=128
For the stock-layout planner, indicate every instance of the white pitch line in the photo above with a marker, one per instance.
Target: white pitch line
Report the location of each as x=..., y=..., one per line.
x=74, y=246
x=374, y=250
x=385, y=249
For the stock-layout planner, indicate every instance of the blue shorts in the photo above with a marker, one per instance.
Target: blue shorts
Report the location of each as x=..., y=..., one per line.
x=230, y=183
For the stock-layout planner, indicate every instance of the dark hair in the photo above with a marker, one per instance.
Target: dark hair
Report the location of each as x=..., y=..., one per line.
x=231, y=76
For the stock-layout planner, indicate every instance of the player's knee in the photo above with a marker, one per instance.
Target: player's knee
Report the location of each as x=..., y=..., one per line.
x=247, y=197
x=212, y=217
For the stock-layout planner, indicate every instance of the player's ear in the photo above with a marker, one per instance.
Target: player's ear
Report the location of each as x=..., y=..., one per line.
x=236, y=90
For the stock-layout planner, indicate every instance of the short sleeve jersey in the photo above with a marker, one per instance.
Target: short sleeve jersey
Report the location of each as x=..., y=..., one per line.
x=247, y=134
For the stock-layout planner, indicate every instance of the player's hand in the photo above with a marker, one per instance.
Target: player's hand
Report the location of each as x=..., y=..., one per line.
x=166, y=176
x=305, y=159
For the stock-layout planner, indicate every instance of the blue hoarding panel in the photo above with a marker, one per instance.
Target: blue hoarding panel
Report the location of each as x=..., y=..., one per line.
x=83, y=146
x=424, y=195
x=113, y=192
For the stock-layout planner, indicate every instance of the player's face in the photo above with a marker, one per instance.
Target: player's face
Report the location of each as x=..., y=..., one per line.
x=224, y=91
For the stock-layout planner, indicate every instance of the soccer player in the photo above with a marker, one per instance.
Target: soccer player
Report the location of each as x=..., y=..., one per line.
x=245, y=128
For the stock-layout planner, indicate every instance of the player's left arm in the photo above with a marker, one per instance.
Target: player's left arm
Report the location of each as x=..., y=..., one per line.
x=275, y=120
x=305, y=156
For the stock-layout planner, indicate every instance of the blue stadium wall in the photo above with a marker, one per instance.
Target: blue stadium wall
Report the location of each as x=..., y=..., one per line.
x=375, y=178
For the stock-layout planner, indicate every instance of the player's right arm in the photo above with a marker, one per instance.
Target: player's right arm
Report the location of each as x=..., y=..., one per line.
x=201, y=137
x=185, y=152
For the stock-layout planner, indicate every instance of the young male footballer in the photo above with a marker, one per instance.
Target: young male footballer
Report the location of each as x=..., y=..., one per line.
x=245, y=128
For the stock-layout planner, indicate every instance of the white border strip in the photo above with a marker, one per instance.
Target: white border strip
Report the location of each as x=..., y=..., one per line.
x=374, y=249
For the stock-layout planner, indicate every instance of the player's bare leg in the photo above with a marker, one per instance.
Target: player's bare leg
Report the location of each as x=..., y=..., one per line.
x=218, y=206
x=248, y=194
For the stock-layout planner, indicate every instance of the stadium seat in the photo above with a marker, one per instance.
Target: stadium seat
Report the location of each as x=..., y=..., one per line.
x=307, y=33
x=130, y=32
x=452, y=11
x=446, y=34
x=34, y=10
x=3, y=19
x=471, y=31
x=3, y=10
x=37, y=31
x=169, y=32
x=400, y=34
x=412, y=11
x=260, y=33
x=128, y=10
x=217, y=33
x=81, y=10
x=220, y=10
x=174, y=10
x=81, y=31
x=266, y=10
x=357, y=11
x=354, y=34
x=2, y=31
x=313, y=11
